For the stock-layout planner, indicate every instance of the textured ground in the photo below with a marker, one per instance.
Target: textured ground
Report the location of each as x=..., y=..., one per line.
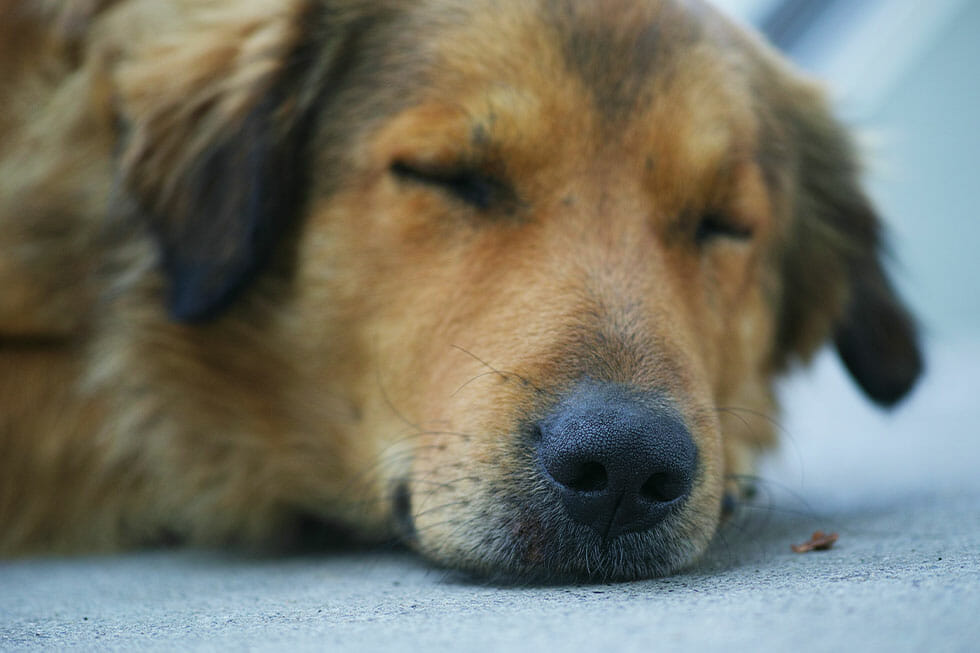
x=902, y=490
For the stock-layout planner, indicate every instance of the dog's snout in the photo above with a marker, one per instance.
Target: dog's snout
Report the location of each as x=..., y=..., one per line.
x=621, y=461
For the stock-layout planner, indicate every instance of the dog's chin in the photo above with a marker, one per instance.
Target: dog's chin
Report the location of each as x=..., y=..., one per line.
x=540, y=547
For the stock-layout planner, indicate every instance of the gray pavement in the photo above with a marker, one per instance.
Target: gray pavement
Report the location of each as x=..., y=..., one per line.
x=902, y=490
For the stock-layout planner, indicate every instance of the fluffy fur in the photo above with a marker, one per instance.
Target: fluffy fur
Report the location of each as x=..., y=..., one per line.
x=267, y=263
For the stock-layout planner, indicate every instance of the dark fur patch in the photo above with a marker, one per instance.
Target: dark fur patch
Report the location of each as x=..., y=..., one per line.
x=244, y=194
x=877, y=339
x=615, y=64
x=232, y=205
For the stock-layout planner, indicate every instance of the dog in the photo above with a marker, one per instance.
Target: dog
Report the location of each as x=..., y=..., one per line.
x=508, y=281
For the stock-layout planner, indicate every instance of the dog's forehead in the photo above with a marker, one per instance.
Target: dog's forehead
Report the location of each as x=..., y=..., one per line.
x=618, y=48
x=621, y=61
x=662, y=79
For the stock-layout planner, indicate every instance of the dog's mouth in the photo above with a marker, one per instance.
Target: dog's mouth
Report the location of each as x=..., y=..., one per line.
x=604, y=485
x=532, y=540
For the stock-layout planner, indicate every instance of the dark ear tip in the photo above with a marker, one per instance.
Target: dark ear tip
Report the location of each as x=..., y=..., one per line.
x=189, y=312
x=195, y=299
x=886, y=367
x=889, y=396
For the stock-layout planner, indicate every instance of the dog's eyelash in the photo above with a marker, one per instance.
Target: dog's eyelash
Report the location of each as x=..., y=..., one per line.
x=716, y=225
x=470, y=186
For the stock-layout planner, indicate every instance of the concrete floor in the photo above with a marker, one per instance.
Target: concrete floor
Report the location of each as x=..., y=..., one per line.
x=901, y=489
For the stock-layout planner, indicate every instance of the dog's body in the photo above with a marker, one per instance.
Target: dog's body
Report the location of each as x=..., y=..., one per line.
x=452, y=270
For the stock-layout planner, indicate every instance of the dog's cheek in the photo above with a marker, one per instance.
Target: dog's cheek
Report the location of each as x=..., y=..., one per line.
x=462, y=473
x=368, y=305
x=745, y=401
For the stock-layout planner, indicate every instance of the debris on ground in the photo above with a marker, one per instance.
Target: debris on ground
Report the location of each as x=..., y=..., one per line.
x=819, y=541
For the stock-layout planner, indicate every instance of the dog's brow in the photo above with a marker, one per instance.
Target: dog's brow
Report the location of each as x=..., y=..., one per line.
x=616, y=63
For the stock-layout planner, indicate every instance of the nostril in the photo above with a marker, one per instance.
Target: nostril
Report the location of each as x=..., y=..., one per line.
x=663, y=488
x=589, y=477
x=537, y=435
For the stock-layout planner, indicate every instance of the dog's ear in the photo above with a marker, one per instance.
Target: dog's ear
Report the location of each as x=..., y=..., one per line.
x=219, y=115
x=876, y=337
x=834, y=281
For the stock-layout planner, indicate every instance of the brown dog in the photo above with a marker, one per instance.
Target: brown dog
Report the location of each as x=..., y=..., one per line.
x=511, y=279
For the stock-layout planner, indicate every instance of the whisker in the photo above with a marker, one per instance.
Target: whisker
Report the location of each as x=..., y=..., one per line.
x=390, y=403
x=504, y=374
x=755, y=413
x=769, y=483
x=477, y=359
x=733, y=413
x=784, y=432
x=367, y=475
x=478, y=376
x=443, y=506
x=443, y=484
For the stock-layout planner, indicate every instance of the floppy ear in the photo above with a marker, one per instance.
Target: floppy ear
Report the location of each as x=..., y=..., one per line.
x=876, y=337
x=834, y=280
x=215, y=158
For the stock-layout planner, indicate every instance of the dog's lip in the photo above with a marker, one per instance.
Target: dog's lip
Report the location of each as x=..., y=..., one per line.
x=526, y=538
x=547, y=545
x=543, y=554
x=402, y=511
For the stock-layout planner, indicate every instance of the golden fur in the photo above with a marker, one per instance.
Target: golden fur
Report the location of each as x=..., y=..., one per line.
x=271, y=262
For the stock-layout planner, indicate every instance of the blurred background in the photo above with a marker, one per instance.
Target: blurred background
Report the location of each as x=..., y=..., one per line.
x=906, y=75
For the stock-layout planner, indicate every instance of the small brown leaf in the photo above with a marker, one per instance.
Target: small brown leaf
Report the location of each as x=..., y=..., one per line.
x=819, y=541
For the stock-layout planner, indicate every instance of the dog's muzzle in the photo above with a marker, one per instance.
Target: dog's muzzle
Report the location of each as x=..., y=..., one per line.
x=621, y=460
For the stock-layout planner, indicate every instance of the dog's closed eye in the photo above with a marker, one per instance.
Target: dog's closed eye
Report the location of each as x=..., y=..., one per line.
x=714, y=226
x=461, y=182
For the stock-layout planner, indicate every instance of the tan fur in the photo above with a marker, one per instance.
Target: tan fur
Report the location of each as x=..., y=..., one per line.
x=396, y=338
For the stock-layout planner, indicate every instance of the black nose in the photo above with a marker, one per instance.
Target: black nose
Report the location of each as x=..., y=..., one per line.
x=620, y=460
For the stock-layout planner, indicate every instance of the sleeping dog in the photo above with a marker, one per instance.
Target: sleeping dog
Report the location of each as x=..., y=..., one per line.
x=510, y=280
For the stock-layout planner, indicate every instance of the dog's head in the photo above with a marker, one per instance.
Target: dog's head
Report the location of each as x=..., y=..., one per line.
x=552, y=254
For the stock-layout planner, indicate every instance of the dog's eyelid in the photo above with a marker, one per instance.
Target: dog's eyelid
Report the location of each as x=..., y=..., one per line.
x=715, y=225
x=464, y=182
